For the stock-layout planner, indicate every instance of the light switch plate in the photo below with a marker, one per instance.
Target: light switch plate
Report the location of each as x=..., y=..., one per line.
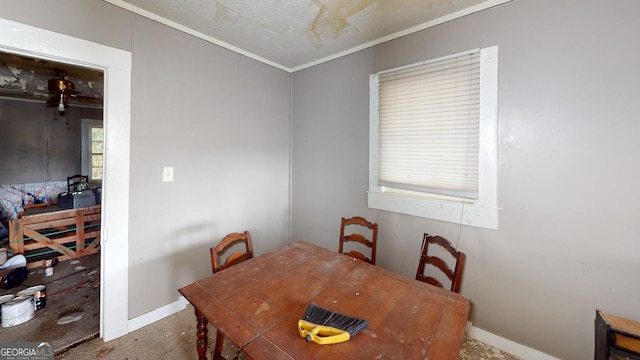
x=167, y=174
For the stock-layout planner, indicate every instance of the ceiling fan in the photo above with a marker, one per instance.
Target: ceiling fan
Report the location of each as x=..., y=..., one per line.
x=59, y=85
x=60, y=89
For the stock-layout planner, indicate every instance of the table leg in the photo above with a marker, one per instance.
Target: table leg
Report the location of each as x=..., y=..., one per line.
x=202, y=335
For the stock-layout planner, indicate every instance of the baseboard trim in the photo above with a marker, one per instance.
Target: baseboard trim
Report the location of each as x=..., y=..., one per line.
x=507, y=345
x=157, y=314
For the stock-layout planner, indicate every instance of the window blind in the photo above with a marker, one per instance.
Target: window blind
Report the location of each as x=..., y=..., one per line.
x=429, y=126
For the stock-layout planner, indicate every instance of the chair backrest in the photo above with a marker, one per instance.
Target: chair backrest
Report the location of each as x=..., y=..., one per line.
x=234, y=258
x=359, y=238
x=427, y=257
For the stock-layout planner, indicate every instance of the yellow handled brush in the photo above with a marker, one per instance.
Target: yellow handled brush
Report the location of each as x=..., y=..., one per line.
x=326, y=327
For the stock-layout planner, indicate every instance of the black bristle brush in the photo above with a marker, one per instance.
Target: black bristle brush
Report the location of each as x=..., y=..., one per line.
x=327, y=327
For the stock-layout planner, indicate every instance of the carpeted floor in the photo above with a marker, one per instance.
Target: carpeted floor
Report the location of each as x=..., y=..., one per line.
x=174, y=338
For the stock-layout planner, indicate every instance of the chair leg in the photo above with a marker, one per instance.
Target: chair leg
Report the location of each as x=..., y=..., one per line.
x=217, y=350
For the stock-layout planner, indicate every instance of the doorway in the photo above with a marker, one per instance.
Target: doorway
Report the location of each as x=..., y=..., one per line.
x=27, y=40
x=46, y=138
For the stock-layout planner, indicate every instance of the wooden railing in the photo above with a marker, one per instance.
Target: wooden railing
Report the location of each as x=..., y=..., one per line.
x=65, y=234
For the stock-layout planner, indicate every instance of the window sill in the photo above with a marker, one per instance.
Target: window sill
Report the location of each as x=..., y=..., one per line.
x=459, y=212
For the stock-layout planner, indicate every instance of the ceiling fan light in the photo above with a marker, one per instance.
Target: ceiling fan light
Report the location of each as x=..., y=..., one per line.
x=61, y=104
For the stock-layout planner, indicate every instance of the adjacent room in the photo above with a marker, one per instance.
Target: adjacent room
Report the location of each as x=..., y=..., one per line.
x=240, y=122
x=51, y=214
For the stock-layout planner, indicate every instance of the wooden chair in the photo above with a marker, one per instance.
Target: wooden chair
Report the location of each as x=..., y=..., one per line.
x=232, y=259
x=359, y=238
x=455, y=276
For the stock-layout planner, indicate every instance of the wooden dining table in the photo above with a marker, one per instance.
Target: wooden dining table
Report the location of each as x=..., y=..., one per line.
x=257, y=305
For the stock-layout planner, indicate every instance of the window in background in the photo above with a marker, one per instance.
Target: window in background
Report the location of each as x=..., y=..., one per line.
x=433, y=145
x=92, y=149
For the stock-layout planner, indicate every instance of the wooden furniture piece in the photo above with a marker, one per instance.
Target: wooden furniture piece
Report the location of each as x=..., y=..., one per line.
x=257, y=305
x=369, y=241
x=233, y=259
x=29, y=207
x=66, y=234
x=226, y=245
x=616, y=338
x=427, y=257
x=75, y=180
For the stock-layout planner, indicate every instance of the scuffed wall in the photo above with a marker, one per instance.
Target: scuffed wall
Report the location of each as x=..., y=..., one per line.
x=38, y=144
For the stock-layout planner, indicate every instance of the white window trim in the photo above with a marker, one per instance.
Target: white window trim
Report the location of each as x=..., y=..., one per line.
x=86, y=126
x=482, y=212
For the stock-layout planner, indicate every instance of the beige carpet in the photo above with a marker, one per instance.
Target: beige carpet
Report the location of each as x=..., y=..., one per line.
x=174, y=338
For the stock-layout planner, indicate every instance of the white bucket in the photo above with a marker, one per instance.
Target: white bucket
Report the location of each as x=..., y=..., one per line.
x=39, y=295
x=4, y=299
x=16, y=311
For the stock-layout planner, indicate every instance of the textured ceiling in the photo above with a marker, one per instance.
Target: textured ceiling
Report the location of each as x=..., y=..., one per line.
x=288, y=34
x=293, y=34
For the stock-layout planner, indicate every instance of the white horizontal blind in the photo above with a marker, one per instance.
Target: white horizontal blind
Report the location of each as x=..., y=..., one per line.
x=429, y=126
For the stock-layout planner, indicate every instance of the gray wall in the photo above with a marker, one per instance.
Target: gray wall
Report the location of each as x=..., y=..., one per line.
x=568, y=237
x=36, y=144
x=568, y=240
x=220, y=119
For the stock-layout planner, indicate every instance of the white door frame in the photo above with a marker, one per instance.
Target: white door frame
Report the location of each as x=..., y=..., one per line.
x=35, y=42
